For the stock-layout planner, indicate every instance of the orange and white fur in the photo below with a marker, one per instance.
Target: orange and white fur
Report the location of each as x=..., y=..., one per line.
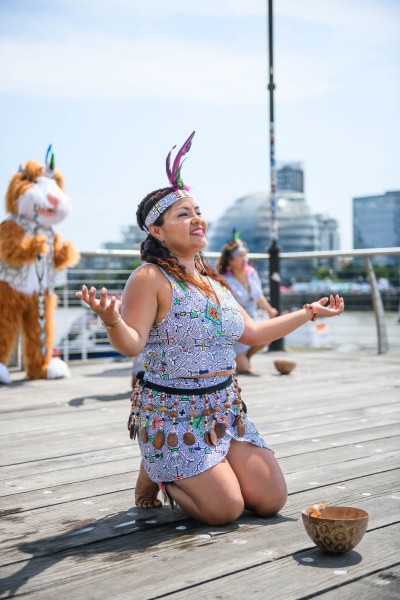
x=22, y=238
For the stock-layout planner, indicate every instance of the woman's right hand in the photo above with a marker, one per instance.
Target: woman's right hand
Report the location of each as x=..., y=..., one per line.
x=106, y=307
x=334, y=308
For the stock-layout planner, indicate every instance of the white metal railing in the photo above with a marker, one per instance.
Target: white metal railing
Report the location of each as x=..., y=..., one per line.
x=80, y=336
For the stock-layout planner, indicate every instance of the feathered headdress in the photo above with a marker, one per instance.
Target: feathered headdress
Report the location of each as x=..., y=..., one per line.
x=50, y=162
x=175, y=180
x=174, y=175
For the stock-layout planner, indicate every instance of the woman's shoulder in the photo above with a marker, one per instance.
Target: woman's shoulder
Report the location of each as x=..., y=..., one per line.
x=147, y=273
x=145, y=270
x=250, y=270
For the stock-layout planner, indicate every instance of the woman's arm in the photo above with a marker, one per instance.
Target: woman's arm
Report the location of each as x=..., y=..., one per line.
x=262, y=302
x=264, y=332
x=128, y=324
x=265, y=305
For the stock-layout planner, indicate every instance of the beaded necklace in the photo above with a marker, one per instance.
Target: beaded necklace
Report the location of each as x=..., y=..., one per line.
x=213, y=310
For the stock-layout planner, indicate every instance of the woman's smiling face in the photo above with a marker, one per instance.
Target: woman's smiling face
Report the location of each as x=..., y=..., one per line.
x=183, y=229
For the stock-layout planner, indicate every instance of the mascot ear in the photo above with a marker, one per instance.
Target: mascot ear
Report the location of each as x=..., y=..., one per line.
x=50, y=162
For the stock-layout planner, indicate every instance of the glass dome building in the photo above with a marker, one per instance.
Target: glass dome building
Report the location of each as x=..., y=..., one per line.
x=298, y=230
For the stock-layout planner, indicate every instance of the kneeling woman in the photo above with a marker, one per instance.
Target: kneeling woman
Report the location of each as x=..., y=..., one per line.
x=195, y=437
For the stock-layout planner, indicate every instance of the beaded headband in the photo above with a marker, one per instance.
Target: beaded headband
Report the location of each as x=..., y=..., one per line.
x=180, y=190
x=162, y=206
x=239, y=250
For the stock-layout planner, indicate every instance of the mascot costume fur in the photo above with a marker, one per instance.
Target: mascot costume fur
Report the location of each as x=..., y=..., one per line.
x=30, y=253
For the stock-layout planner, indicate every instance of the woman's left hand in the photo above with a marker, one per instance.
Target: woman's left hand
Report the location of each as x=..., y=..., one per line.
x=334, y=308
x=108, y=308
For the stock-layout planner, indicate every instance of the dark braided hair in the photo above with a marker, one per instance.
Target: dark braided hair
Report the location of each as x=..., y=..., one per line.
x=153, y=251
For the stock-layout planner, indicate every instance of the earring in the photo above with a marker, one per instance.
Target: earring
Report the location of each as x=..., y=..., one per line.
x=198, y=259
x=164, y=246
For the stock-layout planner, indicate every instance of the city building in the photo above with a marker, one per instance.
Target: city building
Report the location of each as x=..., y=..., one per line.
x=376, y=223
x=290, y=177
x=299, y=230
x=329, y=238
x=132, y=237
x=250, y=215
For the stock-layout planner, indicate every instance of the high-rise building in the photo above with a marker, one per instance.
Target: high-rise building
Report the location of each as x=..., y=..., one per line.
x=290, y=177
x=376, y=223
x=329, y=239
x=132, y=237
x=299, y=229
x=250, y=215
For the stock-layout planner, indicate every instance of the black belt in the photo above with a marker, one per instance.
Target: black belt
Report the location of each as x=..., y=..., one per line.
x=183, y=391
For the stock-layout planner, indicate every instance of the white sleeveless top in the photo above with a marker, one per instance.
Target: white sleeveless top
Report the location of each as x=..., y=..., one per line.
x=194, y=338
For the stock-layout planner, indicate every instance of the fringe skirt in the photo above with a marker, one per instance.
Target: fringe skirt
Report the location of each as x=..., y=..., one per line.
x=187, y=428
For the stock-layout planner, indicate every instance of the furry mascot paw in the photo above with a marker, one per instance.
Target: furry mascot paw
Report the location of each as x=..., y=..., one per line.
x=30, y=254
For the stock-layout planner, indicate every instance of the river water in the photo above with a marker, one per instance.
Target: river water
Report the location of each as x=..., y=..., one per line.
x=353, y=330
x=350, y=332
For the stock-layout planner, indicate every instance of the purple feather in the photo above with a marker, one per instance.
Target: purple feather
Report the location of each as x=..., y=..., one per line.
x=174, y=174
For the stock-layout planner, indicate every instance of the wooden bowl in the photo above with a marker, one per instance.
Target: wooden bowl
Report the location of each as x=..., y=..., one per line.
x=339, y=529
x=284, y=366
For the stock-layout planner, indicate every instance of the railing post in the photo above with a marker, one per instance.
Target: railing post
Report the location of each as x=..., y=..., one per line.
x=85, y=324
x=20, y=362
x=383, y=344
x=66, y=306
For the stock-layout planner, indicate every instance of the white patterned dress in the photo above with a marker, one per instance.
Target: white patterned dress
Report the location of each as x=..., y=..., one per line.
x=247, y=298
x=181, y=435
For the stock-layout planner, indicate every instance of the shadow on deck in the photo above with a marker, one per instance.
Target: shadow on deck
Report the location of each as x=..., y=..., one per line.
x=70, y=528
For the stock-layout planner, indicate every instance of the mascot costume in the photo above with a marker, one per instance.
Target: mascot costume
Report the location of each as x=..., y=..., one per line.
x=30, y=254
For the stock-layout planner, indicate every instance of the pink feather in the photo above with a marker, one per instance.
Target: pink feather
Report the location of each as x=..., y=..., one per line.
x=174, y=173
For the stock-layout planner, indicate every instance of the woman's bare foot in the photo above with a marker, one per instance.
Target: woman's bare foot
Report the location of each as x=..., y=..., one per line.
x=146, y=491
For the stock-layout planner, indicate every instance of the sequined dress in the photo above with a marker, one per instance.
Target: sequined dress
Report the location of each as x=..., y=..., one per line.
x=181, y=435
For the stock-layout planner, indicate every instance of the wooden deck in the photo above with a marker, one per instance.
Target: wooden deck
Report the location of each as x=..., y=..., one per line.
x=70, y=530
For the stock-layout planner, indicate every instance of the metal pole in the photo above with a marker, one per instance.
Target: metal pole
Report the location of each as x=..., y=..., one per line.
x=273, y=250
x=379, y=311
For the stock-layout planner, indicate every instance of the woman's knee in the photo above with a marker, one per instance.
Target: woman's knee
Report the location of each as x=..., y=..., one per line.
x=225, y=512
x=271, y=503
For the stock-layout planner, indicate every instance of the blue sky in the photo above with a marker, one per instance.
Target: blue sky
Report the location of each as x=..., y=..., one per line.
x=114, y=85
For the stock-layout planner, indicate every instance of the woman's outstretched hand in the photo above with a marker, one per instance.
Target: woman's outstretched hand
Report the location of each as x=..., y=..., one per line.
x=334, y=308
x=107, y=307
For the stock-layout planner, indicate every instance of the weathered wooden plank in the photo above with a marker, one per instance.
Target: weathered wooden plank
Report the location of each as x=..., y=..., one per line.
x=20, y=474
x=48, y=466
x=247, y=558
x=277, y=394
x=313, y=478
x=31, y=419
x=37, y=474
x=379, y=550
x=340, y=439
x=338, y=403
x=47, y=393
x=58, y=522
x=101, y=436
x=383, y=585
x=103, y=466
